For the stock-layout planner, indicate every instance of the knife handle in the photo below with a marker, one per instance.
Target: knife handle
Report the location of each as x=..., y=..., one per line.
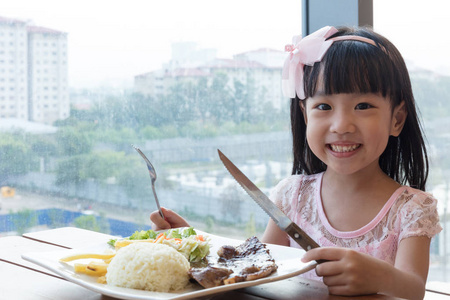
x=301, y=238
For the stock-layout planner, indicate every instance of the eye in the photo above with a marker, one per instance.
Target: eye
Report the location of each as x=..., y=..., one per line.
x=362, y=106
x=323, y=106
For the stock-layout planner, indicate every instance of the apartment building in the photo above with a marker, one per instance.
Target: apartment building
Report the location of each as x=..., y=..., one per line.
x=33, y=72
x=261, y=67
x=13, y=69
x=47, y=82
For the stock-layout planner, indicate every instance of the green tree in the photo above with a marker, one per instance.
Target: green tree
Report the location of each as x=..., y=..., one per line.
x=122, y=138
x=113, y=112
x=103, y=224
x=435, y=89
x=99, y=166
x=24, y=219
x=55, y=218
x=178, y=105
x=220, y=99
x=44, y=146
x=198, y=129
x=169, y=131
x=81, y=115
x=88, y=222
x=103, y=165
x=231, y=200
x=15, y=156
x=134, y=178
x=202, y=102
x=150, y=132
x=73, y=141
x=70, y=170
x=143, y=111
x=241, y=103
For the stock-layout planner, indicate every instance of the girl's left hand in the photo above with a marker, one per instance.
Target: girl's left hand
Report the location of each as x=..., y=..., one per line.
x=348, y=272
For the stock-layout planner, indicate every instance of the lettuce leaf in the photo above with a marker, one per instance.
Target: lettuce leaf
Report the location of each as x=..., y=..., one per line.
x=143, y=235
x=188, y=232
x=193, y=248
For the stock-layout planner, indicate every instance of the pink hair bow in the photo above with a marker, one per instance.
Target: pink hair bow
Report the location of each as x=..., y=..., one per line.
x=308, y=51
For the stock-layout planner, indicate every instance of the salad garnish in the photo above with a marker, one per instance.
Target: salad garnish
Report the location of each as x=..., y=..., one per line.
x=185, y=240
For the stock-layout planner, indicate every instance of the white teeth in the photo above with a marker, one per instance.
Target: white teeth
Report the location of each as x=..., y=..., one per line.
x=342, y=149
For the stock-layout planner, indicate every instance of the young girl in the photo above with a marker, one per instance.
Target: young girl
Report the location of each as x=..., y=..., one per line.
x=357, y=142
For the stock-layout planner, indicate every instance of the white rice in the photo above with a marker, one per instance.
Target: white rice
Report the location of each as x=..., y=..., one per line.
x=147, y=266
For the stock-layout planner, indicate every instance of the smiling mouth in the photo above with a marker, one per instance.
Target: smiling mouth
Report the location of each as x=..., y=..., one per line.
x=344, y=148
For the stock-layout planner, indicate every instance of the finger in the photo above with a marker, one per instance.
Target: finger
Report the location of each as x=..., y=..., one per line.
x=156, y=216
x=158, y=222
x=175, y=219
x=160, y=225
x=334, y=280
x=323, y=253
x=328, y=269
x=171, y=220
x=341, y=290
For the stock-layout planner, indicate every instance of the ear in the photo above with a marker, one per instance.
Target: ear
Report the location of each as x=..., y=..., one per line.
x=398, y=119
x=302, y=105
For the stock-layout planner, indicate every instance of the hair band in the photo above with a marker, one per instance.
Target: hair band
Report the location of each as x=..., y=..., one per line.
x=308, y=51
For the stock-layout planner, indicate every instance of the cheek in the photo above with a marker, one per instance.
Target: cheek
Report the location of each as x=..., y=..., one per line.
x=313, y=137
x=381, y=138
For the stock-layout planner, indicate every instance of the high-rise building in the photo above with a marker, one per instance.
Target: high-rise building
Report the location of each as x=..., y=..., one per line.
x=259, y=68
x=33, y=72
x=13, y=69
x=47, y=82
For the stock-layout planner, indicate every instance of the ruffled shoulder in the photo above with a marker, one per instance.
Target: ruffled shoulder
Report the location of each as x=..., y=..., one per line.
x=283, y=192
x=418, y=214
x=286, y=193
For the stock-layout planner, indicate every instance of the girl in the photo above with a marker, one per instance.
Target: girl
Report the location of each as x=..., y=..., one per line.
x=357, y=142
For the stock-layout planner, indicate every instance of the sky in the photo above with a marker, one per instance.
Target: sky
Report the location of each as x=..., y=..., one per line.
x=111, y=41
x=419, y=29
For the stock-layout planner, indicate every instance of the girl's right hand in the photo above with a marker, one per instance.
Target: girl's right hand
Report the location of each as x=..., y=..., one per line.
x=171, y=220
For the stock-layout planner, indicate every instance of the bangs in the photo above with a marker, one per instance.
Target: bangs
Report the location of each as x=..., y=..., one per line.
x=357, y=67
x=352, y=67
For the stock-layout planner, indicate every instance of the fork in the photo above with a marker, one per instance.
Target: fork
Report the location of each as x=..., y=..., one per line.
x=152, y=172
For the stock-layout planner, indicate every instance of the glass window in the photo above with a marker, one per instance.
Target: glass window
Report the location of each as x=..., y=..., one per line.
x=179, y=79
x=417, y=29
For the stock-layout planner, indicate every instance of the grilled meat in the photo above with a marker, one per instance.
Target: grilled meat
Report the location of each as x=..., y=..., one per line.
x=249, y=261
x=210, y=276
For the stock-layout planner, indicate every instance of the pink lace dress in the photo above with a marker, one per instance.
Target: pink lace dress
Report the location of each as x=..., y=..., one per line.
x=408, y=212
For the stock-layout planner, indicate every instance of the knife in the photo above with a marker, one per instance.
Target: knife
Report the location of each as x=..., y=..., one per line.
x=282, y=221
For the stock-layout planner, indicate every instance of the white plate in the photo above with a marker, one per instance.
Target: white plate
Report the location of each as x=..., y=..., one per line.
x=287, y=259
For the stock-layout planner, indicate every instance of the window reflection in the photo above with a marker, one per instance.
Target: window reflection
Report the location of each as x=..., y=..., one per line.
x=76, y=167
x=418, y=34
x=66, y=157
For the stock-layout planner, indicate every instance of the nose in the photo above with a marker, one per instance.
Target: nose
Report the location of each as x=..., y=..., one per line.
x=342, y=122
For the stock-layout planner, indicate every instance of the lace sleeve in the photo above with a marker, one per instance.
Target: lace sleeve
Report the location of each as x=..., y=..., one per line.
x=419, y=216
x=284, y=192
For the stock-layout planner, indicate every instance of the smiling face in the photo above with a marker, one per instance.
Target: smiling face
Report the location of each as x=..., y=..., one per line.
x=349, y=132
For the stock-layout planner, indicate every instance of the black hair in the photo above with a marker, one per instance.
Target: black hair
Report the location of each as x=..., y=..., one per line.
x=356, y=67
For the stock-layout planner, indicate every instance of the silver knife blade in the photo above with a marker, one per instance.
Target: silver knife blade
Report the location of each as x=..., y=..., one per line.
x=282, y=221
